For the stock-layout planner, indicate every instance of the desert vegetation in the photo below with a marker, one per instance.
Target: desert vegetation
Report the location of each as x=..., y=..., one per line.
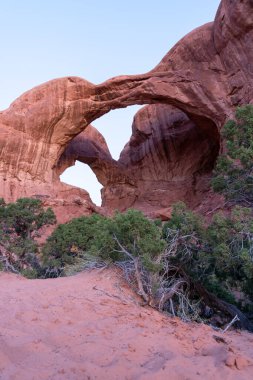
x=183, y=267
x=186, y=267
x=233, y=175
x=20, y=223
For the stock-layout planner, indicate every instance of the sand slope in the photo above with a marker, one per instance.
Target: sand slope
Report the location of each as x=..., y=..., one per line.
x=90, y=326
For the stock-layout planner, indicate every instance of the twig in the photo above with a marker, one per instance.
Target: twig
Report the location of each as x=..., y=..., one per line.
x=7, y=265
x=135, y=260
x=5, y=255
x=110, y=295
x=235, y=319
x=167, y=296
x=172, y=308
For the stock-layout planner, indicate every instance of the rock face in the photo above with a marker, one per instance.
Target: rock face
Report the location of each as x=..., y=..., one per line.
x=90, y=148
x=167, y=159
x=197, y=85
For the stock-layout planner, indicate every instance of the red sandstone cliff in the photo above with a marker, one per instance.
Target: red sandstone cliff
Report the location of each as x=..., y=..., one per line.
x=203, y=78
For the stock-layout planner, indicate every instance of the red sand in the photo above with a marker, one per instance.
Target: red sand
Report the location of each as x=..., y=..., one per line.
x=90, y=326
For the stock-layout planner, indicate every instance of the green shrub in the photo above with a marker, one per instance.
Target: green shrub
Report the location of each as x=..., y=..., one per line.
x=185, y=234
x=70, y=240
x=138, y=235
x=100, y=237
x=220, y=255
x=24, y=217
x=233, y=175
x=19, y=225
x=174, y=266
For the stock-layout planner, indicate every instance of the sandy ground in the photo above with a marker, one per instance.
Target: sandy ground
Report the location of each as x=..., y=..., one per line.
x=91, y=326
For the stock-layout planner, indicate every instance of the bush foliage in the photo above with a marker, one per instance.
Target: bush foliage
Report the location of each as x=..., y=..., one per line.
x=233, y=174
x=156, y=260
x=19, y=225
x=220, y=255
x=99, y=237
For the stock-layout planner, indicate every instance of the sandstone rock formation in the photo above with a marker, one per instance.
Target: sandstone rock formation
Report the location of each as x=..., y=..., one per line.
x=168, y=158
x=205, y=76
x=90, y=148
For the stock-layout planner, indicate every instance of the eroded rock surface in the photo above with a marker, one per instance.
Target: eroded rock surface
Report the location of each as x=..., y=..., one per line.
x=167, y=159
x=205, y=76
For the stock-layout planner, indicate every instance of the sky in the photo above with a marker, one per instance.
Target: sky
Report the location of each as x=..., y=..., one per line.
x=96, y=40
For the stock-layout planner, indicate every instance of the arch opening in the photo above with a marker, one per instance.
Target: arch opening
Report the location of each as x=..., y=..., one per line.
x=116, y=128
x=82, y=176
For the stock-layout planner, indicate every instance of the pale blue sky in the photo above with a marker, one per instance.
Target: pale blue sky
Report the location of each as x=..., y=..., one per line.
x=42, y=40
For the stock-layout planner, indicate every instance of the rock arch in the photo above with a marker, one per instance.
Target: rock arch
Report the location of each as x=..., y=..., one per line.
x=205, y=76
